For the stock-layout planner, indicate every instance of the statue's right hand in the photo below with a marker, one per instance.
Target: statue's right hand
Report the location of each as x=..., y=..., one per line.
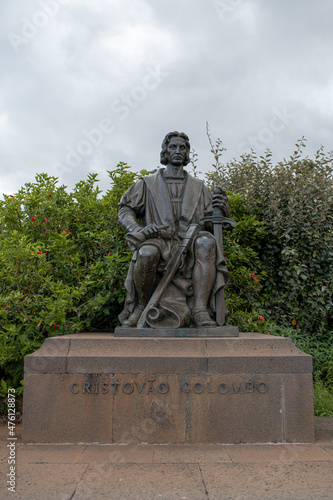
x=155, y=231
x=151, y=231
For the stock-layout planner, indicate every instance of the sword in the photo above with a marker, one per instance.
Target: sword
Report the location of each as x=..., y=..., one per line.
x=171, y=269
x=219, y=222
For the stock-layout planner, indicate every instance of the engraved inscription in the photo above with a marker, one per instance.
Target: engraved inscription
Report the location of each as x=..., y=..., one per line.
x=151, y=387
x=223, y=388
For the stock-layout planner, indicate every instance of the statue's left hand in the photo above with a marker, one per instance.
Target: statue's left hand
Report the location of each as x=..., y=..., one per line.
x=220, y=200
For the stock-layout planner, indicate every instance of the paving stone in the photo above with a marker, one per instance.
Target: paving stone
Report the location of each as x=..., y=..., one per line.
x=4, y=432
x=282, y=481
x=142, y=482
x=327, y=447
x=191, y=454
x=278, y=453
x=4, y=451
x=316, y=493
x=53, y=454
x=117, y=454
x=276, y=472
x=4, y=435
x=42, y=481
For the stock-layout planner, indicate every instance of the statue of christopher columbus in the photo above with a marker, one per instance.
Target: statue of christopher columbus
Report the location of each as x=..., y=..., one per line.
x=168, y=220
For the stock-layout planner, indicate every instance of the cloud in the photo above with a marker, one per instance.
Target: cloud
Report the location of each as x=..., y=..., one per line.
x=233, y=70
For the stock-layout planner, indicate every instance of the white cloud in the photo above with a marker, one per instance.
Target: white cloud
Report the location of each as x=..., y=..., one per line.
x=3, y=123
x=235, y=73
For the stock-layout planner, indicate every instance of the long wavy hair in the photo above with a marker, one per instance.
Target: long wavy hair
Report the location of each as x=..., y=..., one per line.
x=166, y=141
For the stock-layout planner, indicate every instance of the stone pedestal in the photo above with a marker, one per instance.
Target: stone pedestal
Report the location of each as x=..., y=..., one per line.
x=98, y=388
x=209, y=331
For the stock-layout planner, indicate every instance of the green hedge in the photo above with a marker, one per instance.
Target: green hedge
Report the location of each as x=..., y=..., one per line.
x=63, y=261
x=293, y=201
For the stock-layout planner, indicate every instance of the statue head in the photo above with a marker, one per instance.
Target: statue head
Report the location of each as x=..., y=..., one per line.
x=166, y=141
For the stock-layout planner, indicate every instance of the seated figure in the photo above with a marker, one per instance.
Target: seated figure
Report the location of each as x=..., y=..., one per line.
x=156, y=213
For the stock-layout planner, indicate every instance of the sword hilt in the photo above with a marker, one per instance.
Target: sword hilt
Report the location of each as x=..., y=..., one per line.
x=225, y=221
x=217, y=217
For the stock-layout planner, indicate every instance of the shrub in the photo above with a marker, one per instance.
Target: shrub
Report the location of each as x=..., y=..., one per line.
x=294, y=202
x=322, y=398
x=63, y=262
x=242, y=247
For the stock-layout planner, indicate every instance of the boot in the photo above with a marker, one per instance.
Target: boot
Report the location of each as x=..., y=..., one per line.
x=133, y=319
x=201, y=318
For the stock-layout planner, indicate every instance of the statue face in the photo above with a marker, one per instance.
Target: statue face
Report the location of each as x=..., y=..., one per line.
x=176, y=151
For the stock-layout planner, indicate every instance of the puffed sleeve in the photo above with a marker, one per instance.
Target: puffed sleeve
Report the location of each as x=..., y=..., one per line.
x=132, y=207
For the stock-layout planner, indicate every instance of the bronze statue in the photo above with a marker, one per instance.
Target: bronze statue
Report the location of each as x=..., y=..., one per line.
x=178, y=272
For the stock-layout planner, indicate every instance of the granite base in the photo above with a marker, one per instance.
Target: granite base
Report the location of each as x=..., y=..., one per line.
x=211, y=331
x=98, y=388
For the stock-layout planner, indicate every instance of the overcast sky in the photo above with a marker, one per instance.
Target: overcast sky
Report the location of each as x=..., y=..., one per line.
x=85, y=84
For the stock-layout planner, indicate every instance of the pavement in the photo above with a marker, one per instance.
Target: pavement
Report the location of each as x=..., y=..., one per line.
x=166, y=472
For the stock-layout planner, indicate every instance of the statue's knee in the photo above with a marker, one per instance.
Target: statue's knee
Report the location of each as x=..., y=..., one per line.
x=205, y=245
x=149, y=252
